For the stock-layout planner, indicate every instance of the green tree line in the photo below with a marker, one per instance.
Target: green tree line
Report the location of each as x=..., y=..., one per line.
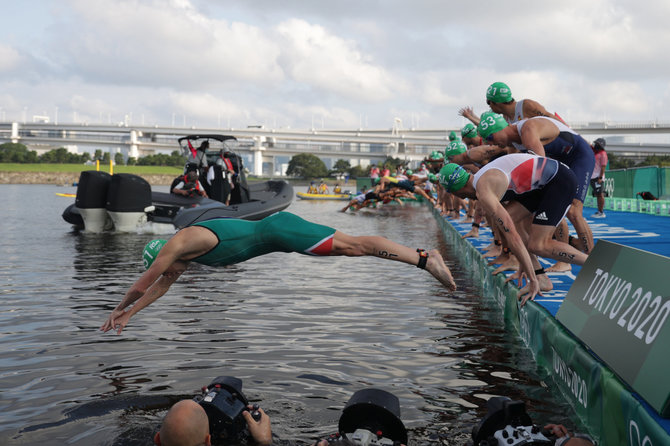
x=19, y=153
x=304, y=165
x=309, y=166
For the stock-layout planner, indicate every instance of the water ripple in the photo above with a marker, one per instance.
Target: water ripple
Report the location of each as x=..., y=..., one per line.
x=303, y=333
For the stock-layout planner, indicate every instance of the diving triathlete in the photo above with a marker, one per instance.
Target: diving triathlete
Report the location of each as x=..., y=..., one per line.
x=548, y=137
x=362, y=199
x=535, y=186
x=407, y=185
x=499, y=98
x=225, y=241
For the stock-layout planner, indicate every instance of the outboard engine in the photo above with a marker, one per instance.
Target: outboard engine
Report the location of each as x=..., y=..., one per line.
x=91, y=200
x=128, y=201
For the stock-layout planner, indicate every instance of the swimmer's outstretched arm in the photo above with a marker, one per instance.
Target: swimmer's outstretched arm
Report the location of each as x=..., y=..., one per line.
x=170, y=263
x=153, y=284
x=348, y=245
x=120, y=317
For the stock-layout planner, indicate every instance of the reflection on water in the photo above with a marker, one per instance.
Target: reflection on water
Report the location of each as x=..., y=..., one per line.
x=303, y=333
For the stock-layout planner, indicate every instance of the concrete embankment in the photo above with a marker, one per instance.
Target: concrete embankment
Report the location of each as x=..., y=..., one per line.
x=66, y=178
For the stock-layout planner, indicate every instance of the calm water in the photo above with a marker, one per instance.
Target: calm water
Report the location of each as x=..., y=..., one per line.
x=303, y=333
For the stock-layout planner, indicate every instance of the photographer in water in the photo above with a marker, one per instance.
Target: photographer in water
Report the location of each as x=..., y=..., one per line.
x=222, y=415
x=371, y=417
x=222, y=412
x=507, y=423
x=186, y=424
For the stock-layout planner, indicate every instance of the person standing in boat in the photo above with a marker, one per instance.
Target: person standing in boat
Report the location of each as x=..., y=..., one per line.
x=225, y=241
x=196, y=159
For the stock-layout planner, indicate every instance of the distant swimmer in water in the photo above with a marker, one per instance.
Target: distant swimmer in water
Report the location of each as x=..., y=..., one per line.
x=224, y=241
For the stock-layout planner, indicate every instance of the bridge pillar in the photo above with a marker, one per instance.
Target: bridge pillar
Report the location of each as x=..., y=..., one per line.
x=258, y=155
x=15, y=132
x=133, y=151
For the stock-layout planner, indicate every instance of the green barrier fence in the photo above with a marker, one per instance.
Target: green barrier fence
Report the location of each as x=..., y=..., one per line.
x=628, y=182
x=657, y=207
x=607, y=407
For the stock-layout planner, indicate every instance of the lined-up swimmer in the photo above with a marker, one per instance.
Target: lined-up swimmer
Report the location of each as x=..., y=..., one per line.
x=223, y=241
x=536, y=187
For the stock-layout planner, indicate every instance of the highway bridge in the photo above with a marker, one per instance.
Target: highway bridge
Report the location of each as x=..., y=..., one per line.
x=268, y=151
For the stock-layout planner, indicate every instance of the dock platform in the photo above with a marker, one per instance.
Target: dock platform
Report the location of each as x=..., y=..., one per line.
x=614, y=413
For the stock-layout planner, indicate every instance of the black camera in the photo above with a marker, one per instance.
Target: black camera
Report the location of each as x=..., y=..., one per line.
x=224, y=403
x=507, y=423
x=372, y=417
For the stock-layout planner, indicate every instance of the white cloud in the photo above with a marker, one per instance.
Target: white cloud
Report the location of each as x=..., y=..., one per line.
x=163, y=44
x=345, y=64
x=10, y=59
x=314, y=56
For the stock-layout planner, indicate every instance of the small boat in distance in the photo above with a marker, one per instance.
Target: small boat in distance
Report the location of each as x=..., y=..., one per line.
x=125, y=202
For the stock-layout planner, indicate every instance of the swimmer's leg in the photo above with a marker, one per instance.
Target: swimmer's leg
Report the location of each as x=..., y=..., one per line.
x=352, y=246
x=576, y=217
x=562, y=233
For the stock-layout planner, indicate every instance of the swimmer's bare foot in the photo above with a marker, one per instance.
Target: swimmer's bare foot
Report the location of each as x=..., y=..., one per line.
x=494, y=252
x=543, y=280
x=510, y=264
x=474, y=232
x=559, y=267
x=502, y=258
x=436, y=266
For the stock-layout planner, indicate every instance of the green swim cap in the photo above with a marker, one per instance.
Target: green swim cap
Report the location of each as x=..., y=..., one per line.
x=490, y=123
x=432, y=177
x=436, y=155
x=499, y=92
x=455, y=148
x=453, y=136
x=469, y=130
x=409, y=172
x=151, y=251
x=453, y=177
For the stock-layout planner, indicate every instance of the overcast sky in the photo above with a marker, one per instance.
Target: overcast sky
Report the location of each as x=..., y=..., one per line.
x=337, y=64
